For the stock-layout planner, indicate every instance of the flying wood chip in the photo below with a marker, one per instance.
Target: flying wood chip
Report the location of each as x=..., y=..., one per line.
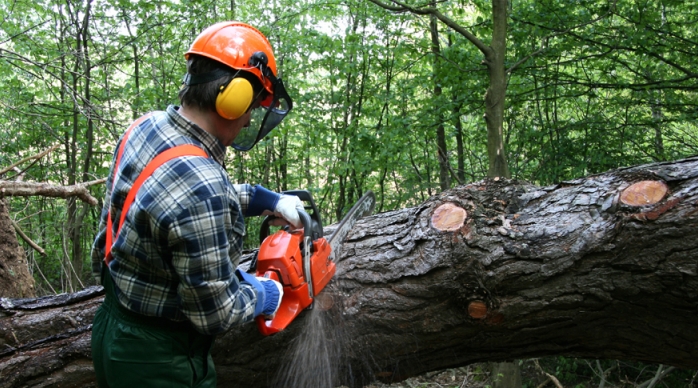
x=644, y=193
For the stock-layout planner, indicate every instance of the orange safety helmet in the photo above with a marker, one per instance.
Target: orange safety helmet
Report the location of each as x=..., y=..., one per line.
x=237, y=45
x=243, y=48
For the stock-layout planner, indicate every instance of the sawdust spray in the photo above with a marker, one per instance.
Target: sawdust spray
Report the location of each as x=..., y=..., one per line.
x=313, y=358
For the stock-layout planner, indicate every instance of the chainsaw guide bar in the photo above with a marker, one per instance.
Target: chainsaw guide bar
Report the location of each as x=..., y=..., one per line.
x=363, y=207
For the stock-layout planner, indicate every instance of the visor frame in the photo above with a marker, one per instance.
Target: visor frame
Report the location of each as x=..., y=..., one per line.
x=280, y=94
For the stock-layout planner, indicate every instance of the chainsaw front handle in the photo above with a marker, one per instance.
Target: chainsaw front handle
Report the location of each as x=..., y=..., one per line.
x=312, y=223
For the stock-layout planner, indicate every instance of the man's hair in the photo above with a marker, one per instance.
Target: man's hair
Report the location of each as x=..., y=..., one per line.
x=204, y=95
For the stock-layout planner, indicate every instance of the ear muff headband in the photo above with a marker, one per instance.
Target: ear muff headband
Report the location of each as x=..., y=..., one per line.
x=235, y=98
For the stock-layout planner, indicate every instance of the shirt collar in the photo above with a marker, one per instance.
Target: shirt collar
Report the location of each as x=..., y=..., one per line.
x=214, y=147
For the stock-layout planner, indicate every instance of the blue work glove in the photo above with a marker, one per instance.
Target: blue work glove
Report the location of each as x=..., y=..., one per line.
x=269, y=293
x=274, y=292
x=266, y=203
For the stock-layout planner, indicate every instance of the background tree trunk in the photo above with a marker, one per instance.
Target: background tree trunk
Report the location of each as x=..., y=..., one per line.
x=495, y=97
x=494, y=59
x=441, y=147
x=505, y=374
x=15, y=279
x=602, y=267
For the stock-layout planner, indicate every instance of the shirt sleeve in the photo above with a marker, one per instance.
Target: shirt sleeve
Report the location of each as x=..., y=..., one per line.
x=98, y=246
x=245, y=193
x=97, y=253
x=255, y=200
x=212, y=297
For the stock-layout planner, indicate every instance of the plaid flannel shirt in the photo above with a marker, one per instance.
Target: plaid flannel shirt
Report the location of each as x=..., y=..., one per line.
x=181, y=241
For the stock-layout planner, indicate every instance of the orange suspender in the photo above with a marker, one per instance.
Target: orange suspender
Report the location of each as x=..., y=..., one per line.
x=159, y=160
x=110, y=236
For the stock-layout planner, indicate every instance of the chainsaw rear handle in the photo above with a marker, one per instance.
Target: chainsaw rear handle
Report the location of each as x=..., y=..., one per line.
x=312, y=223
x=306, y=247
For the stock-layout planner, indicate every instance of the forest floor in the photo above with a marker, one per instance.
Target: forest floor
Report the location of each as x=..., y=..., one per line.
x=468, y=376
x=540, y=373
x=471, y=376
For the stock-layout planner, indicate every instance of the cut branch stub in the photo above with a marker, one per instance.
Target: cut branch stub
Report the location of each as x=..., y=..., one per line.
x=644, y=193
x=477, y=309
x=448, y=217
x=324, y=301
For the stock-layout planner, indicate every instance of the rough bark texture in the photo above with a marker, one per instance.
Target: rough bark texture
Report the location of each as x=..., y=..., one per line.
x=15, y=279
x=566, y=270
x=495, y=97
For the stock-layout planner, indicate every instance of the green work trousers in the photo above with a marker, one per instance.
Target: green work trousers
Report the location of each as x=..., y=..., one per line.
x=132, y=351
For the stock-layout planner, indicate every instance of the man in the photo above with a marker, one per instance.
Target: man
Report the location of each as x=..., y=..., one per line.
x=168, y=260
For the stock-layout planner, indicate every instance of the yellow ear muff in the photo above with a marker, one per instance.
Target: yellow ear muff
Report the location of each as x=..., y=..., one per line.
x=234, y=99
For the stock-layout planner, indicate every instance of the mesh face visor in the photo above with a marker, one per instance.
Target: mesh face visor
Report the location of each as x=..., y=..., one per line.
x=265, y=118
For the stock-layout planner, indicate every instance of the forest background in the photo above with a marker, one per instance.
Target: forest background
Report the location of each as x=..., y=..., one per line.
x=389, y=100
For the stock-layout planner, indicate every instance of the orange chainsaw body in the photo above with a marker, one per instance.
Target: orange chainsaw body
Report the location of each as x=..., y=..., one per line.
x=280, y=257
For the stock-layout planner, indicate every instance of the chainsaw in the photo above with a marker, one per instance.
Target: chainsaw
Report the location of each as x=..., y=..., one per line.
x=302, y=260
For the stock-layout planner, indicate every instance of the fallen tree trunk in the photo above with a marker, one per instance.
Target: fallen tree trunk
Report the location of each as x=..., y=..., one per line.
x=601, y=267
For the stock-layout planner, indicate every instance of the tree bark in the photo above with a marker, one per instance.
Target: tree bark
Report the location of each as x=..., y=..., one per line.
x=441, y=146
x=600, y=267
x=28, y=189
x=16, y=280
x=495, y=97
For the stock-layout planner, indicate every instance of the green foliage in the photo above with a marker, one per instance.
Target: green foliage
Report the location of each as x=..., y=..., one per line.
x=591, y=88
x=603, y=95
